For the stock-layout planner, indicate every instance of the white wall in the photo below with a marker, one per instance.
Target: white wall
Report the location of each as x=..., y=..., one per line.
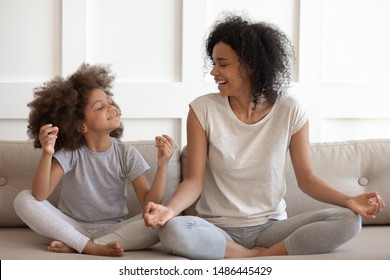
x=155, y=48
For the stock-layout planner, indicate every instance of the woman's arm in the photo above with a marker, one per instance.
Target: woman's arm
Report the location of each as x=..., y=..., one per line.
x=49, y=171
x=190, y=188
x=367, y=204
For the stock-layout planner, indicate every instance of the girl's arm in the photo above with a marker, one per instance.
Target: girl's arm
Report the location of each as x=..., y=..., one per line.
x=49, y=171
x=190, y=188
x=367, y=204
x=155, y=193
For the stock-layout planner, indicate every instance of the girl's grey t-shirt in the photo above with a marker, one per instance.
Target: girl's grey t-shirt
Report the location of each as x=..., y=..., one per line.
x=94, y=184
x=244, y=183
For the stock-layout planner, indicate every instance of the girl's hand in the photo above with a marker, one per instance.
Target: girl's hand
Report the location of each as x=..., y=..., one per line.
x=367, y=204
x=47, y=137
x=166, y=147
x=156, y=215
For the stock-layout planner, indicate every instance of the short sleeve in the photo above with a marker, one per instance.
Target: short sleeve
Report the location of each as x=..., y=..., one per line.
x=300, y=115
x=66, y=159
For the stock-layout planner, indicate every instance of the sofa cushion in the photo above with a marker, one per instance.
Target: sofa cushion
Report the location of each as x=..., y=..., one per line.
x=149, y=152
x=17, y=165
x=353, y=167
x=19, y=159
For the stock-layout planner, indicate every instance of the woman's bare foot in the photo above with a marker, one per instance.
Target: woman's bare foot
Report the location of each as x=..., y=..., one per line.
x=258, y=251
x=112, y=249
x=279, y=249
x=60, y=247
x=234, y=250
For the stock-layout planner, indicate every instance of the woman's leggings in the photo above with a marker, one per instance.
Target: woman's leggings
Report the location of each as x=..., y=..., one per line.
x=47, y=220
x=308, y=233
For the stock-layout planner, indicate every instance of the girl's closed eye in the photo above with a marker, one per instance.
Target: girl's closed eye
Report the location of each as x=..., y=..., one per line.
x=99, y=107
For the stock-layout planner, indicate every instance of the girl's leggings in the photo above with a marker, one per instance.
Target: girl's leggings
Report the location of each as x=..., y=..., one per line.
x=47, y=220
x=308, y=233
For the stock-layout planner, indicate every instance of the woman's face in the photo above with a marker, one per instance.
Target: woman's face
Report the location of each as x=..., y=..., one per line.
x=101, y=116
x=232, y=78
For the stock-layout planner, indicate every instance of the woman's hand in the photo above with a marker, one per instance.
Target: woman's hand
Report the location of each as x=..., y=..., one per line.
x=366, y=205
x=166, y=147
x=47, y=137
x=156, y=215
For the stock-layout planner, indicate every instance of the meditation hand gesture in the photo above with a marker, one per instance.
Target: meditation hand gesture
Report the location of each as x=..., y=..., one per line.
x=166, y=147
x=367, y=204
x=156, y=215
x=47, y=137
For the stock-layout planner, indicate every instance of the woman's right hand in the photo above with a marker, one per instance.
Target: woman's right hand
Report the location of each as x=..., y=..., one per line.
x=156, y=215
x=47, y=137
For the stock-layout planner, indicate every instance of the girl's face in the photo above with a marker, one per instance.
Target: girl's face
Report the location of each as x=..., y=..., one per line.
x=232, y=79
x=101, y=116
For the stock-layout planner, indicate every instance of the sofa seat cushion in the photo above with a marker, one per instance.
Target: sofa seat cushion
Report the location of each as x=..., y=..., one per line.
x=24, y=244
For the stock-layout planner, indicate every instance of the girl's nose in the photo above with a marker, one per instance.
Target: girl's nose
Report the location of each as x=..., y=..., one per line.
x=114, y=108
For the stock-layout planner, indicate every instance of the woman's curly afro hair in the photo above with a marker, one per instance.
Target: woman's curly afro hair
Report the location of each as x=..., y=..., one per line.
x=262, y=47
x=61, y=102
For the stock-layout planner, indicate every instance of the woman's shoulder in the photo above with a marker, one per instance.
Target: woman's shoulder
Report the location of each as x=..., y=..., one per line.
x=290, y=101
x=207, y=99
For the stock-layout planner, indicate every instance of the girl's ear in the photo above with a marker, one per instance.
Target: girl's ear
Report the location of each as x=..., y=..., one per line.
x=81, y=128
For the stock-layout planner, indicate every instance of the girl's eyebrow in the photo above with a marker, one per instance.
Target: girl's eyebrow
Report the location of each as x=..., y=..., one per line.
x=94, y=103
x=109, y=100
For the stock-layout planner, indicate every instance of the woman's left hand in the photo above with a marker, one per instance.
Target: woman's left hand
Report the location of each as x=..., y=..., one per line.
x=366, y=205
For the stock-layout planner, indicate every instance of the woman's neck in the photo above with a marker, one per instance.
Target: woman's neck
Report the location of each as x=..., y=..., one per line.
x=248, y=112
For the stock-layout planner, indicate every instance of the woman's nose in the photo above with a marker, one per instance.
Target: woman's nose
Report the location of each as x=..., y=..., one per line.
x=214, y=71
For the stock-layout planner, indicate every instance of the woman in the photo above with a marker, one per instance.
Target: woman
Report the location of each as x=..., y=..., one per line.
x=244, y=133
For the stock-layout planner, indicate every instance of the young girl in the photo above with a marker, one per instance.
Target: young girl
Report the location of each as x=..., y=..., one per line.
x=77, y=125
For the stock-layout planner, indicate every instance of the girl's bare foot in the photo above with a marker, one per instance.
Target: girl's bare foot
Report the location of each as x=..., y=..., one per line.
x=60, y=247
x=112, y=249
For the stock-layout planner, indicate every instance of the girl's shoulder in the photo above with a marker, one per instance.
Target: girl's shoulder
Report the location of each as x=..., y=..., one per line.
x=121, y=145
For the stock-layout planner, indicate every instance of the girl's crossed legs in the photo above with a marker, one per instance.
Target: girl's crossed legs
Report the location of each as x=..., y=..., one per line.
x=72, y=236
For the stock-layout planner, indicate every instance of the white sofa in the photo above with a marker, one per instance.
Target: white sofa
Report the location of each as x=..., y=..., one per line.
x=353, y=166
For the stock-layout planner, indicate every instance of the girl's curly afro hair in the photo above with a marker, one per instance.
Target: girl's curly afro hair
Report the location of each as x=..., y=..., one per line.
x=61, y=102
x=262, y=47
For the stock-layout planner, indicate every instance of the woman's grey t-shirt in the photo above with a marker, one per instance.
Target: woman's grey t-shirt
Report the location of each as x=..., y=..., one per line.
x=244, y=182
x=94, y=184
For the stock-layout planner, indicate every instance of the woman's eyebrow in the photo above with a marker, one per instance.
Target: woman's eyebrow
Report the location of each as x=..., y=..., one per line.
x=221, y=59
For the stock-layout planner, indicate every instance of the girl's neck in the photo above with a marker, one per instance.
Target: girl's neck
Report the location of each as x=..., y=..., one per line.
x=97, y=144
